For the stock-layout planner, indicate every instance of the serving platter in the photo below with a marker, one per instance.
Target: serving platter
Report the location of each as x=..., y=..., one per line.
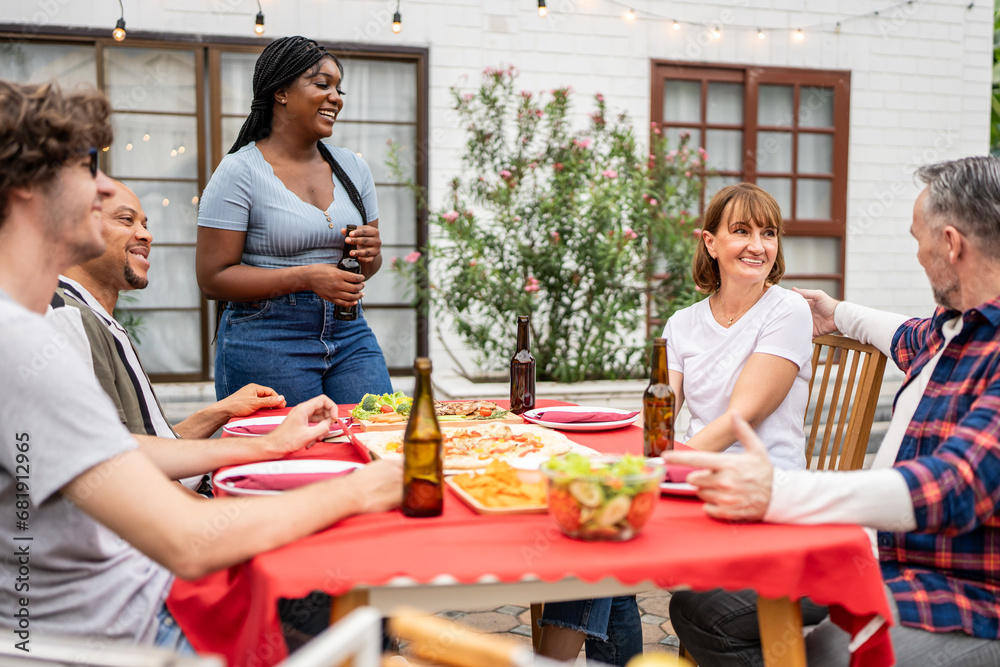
x=480, y=508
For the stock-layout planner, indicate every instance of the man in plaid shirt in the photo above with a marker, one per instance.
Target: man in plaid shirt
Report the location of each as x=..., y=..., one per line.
x=933, y=491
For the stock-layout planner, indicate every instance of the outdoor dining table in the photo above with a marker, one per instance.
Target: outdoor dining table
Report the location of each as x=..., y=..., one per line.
x=463, y=560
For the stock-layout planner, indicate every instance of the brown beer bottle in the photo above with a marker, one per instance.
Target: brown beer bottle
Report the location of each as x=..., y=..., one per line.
x=658, y=405
x=347, y=263
x=522, y=371
x=423, y=477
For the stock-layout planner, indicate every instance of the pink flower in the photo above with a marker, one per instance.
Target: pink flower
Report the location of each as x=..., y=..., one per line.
x=395, y=261
x=555, y=237
x=645, y=196
x=582, y=143
x=472, y=263
x=517, y=218
x=629, y=234
x=533, y=165
x=652, y=157
x=609, y=173
x=599, y=97
x=450, y=216
x=526, y=94
x=701, y=152
x=685, y=135
x=504, y=173
x=657, y=131
x=653, y=124
x=531, y=285
x=683, y=213
x=653, y=202
x=687, y=174
x=696, y=233
x=558, y=166
x=468, y=97
x=412, y=257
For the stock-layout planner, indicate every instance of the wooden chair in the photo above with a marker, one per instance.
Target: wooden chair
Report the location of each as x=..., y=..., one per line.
x=843, y=396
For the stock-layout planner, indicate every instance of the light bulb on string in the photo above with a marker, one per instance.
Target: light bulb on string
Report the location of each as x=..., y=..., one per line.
x=259, y=21
x=543, y=11
x=760, y=34
x=676, y=26
x=397, y=20
x=716, y=32
x=119, y=32
x=630, y=14
x=798, y=35
x=145, y=137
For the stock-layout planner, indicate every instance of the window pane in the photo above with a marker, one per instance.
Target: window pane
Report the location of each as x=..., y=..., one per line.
x=813, y=199
x=365, y=85
x=815, y=153
x=682, y=101
x=831, y=287
x=370, y=139
x=169, y=341
x=171, y=151
x=811, y=254
x=774, y=151
x=815, y=107
x=230, y=130
x=237, y=82
x=396, y=331
x=387, y=286
x=41, y=63
x=725, y=103
x=725, y=149
x=774, y=105
x=177, y=222
x=781, y=190
x=673, y=135
x=715, y=183
x=150, y=79
x=172, y=282
x=397, y=211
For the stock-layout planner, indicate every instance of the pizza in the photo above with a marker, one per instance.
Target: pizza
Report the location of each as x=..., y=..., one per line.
x=473, y=447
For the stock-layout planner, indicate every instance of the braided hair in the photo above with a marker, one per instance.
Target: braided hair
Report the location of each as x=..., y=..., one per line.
x=282, y=62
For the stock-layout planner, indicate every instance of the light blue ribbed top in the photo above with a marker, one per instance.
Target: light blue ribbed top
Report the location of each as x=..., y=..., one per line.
x=244, y=195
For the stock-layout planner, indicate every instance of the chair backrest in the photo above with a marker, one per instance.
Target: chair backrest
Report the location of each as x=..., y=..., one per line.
x=843, y=396
x=354, y=640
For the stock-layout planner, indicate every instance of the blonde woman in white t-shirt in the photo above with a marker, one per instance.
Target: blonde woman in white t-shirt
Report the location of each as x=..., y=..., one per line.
x=747, y=347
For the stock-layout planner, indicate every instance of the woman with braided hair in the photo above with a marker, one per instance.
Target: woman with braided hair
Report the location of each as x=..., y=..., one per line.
x=271, y=229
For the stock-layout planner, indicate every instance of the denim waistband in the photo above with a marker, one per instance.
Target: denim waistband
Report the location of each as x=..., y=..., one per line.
x=291, y=299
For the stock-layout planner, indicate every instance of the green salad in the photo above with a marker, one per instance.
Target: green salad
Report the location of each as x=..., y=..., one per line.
x=372, y=404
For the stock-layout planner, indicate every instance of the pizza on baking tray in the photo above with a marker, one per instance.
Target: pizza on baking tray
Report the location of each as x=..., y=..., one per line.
x=473, y=447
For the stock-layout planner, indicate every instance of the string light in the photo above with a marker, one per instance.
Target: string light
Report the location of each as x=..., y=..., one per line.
x=259, y=22
x=798, y=35
x=543, y=11
x=676, y=26
x=128, y=146
x=397, y=20
x=119, y=32
x=716, y=32
x=760, y=34
x=630, y=14
x=145, y=137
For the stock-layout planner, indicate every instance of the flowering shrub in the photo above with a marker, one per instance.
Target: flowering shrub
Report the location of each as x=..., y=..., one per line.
x=582, y=230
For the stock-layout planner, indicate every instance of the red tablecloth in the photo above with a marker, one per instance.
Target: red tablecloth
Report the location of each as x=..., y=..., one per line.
x=233, y=612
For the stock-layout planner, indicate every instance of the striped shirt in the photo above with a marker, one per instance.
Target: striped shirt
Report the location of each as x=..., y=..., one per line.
x=945, y=575
x=244, y=195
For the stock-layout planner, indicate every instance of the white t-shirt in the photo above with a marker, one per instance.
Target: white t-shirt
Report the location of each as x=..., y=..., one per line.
x=56, y=422
x=711, y=357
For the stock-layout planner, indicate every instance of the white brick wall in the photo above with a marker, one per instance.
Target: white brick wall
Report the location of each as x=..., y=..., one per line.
x=920, y=79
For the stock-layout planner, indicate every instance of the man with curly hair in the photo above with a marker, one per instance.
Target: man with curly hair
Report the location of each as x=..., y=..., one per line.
x=97, y=528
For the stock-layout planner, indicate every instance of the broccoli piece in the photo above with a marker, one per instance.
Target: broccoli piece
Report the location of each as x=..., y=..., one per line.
x=404, y=407
x=369, y=403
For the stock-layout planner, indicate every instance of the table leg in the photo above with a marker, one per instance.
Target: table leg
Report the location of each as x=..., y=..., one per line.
x=536, y=630
x=780, y=623
x=347, y=602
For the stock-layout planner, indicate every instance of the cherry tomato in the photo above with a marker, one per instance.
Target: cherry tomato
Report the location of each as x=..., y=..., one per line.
x=642, y=508
x=485, y=412
x=386, y=409
x=564, y=508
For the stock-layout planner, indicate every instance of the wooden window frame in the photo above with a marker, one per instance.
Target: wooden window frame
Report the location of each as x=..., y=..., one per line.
x=752, y=77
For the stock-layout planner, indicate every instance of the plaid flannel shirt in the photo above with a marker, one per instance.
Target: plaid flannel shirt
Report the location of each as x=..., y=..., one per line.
x=945, y=575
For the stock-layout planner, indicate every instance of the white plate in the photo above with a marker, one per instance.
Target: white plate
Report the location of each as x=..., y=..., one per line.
x=679, y=489
x=290, y=467
x=273, y=420
x=535, y=417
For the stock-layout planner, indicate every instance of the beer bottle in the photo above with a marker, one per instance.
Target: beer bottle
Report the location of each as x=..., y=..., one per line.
x=658, y=405
x=522, y=371
x=423, y=477
x=347, y=263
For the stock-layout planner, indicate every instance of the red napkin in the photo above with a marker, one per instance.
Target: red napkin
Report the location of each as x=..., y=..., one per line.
x=567, y=417
x=260, y=429
x=285, y=482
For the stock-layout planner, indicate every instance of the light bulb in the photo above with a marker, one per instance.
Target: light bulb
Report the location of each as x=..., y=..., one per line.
x=259, y=24
x=760, y=34
x=119, y=32
x=128, y=146
x=145, y=137
x=716, y=33
x=798, y=35
x=173, y=153
x=180, y=149
x=166, y=202
x=630, y=15
x=397, y=22
x=676, y=26
x=543, y=11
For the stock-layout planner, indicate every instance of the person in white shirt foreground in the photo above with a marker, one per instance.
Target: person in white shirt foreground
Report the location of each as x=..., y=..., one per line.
x=101, y=528
x=934, y=489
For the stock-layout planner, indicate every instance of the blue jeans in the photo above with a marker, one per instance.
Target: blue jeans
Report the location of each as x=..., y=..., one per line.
x=170, y=636
x=292, y=344
x=720, y=629
x=612, y=626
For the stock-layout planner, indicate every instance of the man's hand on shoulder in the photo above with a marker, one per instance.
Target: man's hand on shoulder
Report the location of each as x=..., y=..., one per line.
x=822, y=306
x=735, y=487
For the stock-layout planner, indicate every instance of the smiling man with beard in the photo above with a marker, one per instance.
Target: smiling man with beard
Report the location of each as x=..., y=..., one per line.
x=92, y=290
